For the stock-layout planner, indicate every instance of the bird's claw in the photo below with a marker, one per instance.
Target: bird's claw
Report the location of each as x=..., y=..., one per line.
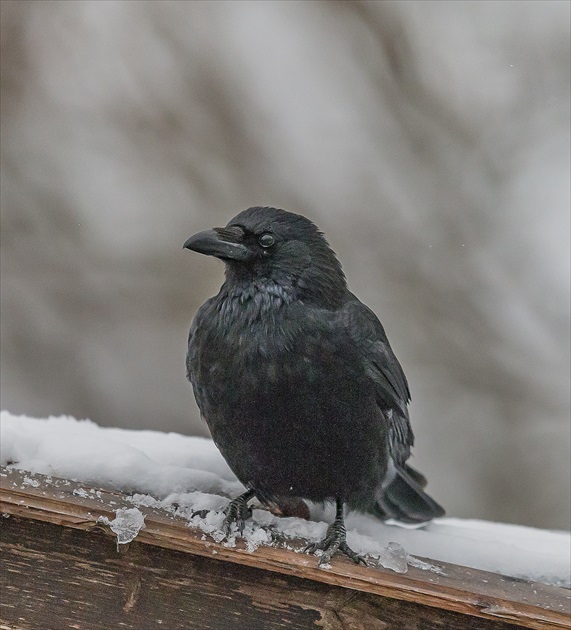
x=334, y=541
x=357, y=558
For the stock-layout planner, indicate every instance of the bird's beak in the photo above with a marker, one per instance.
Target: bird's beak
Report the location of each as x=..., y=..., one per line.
x=211, y=243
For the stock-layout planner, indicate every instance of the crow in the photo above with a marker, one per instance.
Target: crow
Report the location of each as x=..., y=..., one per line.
x=297, y=381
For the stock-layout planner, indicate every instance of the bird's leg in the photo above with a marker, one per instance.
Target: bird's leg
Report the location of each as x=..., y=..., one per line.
x=335, y=541
x=237, y=511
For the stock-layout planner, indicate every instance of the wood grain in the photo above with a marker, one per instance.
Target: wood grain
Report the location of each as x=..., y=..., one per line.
x=56, y=577
x=343, y=596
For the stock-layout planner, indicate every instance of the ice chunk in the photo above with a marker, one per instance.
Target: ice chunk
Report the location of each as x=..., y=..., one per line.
x=145, y=500
x=127, y=523
x=425, y=566
x=28, y=481
x=394, y=558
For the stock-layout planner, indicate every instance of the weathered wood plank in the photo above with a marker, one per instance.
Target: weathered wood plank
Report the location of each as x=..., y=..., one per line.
x=55, y=577
x=467, y=591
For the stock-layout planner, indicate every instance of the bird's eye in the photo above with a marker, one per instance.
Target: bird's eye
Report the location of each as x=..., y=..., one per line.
x=266, y=240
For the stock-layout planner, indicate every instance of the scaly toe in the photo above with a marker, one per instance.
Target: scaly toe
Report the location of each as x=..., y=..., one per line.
x=311, y=548
x=322, y=545
x=334, y=542
x=357, y=559
x=236, y=513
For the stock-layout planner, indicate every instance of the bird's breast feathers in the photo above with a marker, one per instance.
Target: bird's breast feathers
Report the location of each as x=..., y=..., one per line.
x=267, y=332
x=253, y=320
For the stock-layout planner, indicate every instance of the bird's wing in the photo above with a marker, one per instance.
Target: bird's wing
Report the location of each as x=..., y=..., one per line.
x=385, y=371
x=192, y=352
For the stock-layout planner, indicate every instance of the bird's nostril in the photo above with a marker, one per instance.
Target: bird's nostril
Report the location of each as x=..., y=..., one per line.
x=232, y=234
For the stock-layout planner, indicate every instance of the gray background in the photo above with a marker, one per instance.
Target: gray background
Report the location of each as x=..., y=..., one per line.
x=429, y=140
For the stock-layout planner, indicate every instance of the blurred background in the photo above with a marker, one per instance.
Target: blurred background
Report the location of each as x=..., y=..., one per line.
x=429, y=140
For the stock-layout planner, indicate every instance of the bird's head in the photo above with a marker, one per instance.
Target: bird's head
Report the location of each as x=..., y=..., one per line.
x=270, y=246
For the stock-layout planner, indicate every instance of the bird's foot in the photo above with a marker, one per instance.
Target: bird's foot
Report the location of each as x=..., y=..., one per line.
x=236, y=513
x=335, y=540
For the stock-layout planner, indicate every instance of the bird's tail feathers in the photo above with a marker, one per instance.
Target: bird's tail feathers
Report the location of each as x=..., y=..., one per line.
x=405, y=500
x=417, y=476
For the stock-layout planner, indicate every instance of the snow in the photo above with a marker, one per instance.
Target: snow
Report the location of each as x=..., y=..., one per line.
x=188, y=477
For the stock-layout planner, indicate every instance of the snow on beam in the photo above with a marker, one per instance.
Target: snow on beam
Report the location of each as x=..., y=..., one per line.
x=437, y=592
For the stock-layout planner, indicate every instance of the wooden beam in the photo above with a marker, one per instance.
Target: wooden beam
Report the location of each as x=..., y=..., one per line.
x=344, y=595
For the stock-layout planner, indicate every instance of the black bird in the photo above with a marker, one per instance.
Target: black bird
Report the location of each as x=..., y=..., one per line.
x=297, y=381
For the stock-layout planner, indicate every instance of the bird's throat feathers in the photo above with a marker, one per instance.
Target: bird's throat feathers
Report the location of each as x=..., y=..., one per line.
x=254, y=299
x=313, y=278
